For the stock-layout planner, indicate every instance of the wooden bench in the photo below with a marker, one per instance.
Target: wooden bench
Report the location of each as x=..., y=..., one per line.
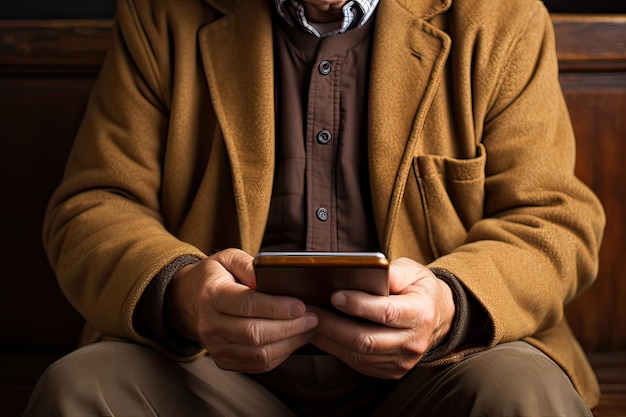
x=47, y=69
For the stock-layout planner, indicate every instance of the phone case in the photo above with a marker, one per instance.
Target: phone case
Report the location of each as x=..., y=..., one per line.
x=314, y=276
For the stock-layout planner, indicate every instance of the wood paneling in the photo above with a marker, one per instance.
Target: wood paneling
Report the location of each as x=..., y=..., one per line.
x=39, y=118
x=597, y=104
x=591, y=43
x=53, y=47
x=592, y=58
x=47, y=69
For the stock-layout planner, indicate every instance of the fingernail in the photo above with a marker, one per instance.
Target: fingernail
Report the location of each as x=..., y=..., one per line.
x=297, y=310
x=311, y=322
x=339, y=299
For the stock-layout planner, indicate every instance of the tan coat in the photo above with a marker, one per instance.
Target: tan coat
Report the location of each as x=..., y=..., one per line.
x=471, y=159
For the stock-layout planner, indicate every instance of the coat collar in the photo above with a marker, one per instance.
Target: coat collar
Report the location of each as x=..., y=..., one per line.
x=237, y=55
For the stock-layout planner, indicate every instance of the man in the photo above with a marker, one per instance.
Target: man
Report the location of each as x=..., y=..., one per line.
x=434, y=131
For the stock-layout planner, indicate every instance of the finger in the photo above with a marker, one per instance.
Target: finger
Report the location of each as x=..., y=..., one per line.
x=260, y=332
x=238, y=300
x=404, y=272
x=382, y=366
x=361, y=337
x=372, y=338
x=239, y=264
x=257, y=359
x=398, y=311
x=370, y=348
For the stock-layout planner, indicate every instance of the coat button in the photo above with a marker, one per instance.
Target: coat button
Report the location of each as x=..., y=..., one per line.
x=322, y=214
x=324, y=136
x=324, y=67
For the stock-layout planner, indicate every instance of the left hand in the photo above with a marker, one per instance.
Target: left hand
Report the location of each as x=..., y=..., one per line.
x=417, y=314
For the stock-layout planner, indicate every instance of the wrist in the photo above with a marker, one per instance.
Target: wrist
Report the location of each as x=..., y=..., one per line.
x=176, y=313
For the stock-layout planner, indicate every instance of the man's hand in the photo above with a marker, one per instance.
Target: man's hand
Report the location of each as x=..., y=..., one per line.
x=418, y=314
x=214, y=303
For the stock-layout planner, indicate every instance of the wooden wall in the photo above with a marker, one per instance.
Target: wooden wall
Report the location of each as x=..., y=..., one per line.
x=592, y=54
x=80, y=9
x=47, y=69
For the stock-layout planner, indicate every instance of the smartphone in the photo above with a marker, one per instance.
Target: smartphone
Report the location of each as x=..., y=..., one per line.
x=314, y=276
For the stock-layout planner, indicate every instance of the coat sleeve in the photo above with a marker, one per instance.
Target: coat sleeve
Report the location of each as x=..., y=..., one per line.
x=104, y=232
x=536, y=247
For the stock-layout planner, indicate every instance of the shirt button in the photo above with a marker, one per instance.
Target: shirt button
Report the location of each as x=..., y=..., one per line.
x=324, y=67
x=322, y=214
x=324, y=136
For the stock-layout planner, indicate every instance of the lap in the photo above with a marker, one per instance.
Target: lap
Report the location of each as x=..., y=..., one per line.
x=511, y=379
x=122, y=378
x=117, y=378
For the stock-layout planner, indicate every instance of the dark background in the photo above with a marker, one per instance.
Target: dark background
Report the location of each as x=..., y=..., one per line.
x=87, y=9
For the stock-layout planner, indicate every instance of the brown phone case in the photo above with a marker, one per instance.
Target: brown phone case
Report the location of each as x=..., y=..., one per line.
x=314, y=276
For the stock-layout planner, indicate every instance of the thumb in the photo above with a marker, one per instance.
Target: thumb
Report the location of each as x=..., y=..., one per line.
x=239, y=264
x=404, y=272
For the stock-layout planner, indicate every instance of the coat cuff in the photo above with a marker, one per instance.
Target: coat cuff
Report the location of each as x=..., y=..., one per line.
x=148, y=317
x=470, y=320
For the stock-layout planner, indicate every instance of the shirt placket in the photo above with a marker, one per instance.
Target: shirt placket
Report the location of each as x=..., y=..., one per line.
x=321, y=150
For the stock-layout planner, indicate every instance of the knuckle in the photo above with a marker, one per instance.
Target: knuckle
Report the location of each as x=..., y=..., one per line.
x=425, y=318
x=264, y=358
x=247, y=305
x=224, y=256
x=418, y=348
x=404, y=366
x=430, y=320
x=354, y=359
x=390, y=313
x=364, y=343
x=254, y=333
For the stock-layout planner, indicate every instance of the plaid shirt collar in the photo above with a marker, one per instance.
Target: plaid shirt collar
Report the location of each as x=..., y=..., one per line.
x=355, y=13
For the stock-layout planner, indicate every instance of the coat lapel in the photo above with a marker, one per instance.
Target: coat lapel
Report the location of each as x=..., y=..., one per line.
x=409, y=55
x=238, y=61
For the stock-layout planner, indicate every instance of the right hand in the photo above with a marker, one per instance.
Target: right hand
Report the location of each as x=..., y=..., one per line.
x=214, y=303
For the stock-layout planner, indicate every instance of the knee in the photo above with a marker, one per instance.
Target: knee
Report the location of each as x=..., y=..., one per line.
x=87, y=379
x=519, y=380
x=61, y=384
x=505, y=372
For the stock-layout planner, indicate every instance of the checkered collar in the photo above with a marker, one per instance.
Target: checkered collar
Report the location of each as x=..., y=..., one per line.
x=355, y=13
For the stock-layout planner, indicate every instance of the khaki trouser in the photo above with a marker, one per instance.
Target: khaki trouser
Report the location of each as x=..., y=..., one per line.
x=116, y=378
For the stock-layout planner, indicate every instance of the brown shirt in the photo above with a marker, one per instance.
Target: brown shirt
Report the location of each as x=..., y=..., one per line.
x=320, y=199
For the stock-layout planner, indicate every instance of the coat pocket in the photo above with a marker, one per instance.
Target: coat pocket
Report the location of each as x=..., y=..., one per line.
x=452, y=191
